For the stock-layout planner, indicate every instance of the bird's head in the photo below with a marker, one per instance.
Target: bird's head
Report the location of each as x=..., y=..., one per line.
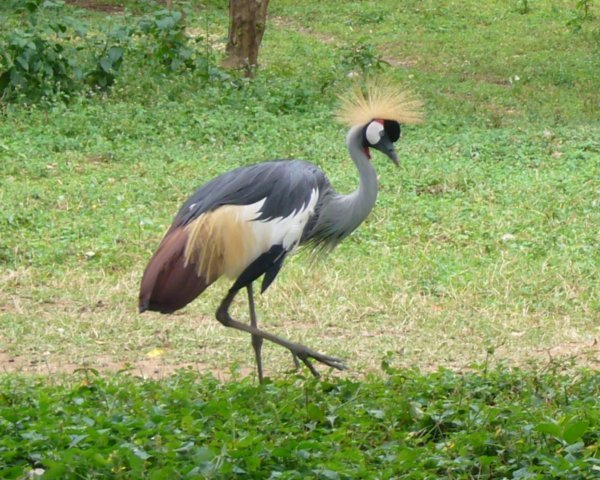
x=380, y=109
x=381, y=135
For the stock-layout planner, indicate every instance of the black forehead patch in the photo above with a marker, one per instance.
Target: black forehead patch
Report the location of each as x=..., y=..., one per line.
x=392, y=129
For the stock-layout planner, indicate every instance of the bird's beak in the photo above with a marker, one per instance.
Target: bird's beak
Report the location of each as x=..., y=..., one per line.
x=393, y=155
x=387, y=147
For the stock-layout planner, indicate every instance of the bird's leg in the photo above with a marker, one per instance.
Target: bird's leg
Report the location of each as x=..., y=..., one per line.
x=299, y=351
x=256, y=340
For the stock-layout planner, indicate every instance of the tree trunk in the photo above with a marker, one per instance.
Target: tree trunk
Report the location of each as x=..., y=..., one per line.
x=247, y=23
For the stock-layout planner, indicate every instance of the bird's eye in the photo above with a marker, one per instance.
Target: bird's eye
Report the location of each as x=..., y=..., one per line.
x=374, y=132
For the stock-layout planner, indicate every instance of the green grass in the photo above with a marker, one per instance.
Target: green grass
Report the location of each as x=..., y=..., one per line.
x=500, y=424
x=479, y=263
x=485, y=239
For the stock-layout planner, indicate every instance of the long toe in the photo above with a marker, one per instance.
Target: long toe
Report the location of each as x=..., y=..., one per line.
x=296, y=361
x=333, y=362
x=327, y=360
x=312, y=369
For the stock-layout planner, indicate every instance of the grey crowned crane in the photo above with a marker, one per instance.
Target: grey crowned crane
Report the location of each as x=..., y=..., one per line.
x=244, y=223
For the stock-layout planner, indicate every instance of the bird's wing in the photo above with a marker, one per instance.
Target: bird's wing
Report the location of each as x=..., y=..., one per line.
x=241, y=224
x=285, y=185
x=235, y=218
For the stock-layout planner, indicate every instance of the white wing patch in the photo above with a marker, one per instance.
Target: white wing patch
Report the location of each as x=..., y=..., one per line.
x=227, y=240
x=285, y=231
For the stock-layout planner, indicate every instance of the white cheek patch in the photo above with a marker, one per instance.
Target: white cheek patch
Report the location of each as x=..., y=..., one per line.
x=373, y=133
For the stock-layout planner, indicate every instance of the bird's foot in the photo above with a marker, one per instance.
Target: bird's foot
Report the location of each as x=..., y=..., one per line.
x=305, y=354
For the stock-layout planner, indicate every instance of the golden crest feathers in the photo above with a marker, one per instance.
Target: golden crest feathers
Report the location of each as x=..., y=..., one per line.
x=382, y=100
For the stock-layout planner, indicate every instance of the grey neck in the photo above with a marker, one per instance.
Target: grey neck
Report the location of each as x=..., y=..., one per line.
x=363, y=198
x=349, y=211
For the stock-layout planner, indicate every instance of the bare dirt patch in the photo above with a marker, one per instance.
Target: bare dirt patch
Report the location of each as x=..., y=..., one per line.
x=97, y=6
x=571, y=354
x=151, y=368
x=286, y=23
x=582, y=354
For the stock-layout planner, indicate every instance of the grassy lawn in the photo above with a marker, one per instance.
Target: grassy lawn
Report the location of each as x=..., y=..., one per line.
x=484, y=244
x=467, y=305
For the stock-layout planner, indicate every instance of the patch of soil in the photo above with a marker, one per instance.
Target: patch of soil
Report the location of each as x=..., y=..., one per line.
x=583, y=354
x=151, y=368
x=399, y=63
x=571, y=354
x=97, y=6
x=286, y=23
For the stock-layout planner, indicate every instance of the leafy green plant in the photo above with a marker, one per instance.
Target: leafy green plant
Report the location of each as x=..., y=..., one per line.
x=35, y=64
x=405, y=424
x=32, y=5
x=108, y=57
x=523, y=7
x=582, y=14
x=167, y=41
x=42, y=60
x=107, y=65
x=362, y=58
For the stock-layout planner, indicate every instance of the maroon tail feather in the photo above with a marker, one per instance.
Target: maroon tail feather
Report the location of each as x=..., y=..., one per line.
x=168, y=284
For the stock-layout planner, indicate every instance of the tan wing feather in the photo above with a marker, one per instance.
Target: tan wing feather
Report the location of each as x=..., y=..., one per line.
x=220, y=242
x=382, y=100
x=204, y=249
